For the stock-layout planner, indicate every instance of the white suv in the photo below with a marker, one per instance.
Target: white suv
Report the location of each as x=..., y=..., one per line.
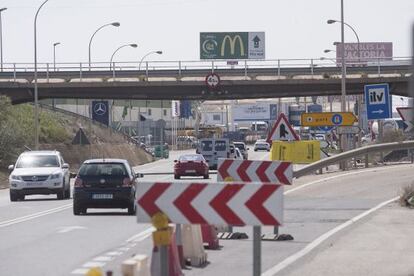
x=39, y=172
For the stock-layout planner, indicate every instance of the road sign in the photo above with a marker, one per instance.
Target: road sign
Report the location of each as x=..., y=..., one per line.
x=212, y=80
x=325, y=128
x=211, y=203
x=328, y=119
x=377, y=101
x=255, y=171
x=348, y=130
x=297, y=152
x=282, y=130
x=406, y=113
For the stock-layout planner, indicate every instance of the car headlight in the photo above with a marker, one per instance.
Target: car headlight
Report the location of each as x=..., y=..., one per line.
x=16, y=177
x=56, y=176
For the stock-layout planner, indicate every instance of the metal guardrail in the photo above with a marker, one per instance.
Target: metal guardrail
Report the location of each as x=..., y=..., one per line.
x=276, y=67
x=350, y=154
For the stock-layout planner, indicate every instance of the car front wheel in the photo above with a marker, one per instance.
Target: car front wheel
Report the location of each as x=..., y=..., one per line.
x=131, y=209
x=14, y=196
x=77, y=209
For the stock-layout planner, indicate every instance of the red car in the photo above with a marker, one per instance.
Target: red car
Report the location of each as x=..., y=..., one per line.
x=191, y=165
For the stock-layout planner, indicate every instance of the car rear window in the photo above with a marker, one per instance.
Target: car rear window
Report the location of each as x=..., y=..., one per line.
x=191, y=158
x=103, y=169
x=37, y=161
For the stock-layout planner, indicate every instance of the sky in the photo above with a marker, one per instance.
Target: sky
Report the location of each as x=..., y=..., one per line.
x=293, y=28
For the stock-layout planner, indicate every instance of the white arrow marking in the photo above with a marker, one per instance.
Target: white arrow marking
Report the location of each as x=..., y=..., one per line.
x=67, y=229
x=378, y=111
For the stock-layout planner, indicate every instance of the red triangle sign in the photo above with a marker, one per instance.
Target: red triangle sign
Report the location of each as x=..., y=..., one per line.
x=282, y=131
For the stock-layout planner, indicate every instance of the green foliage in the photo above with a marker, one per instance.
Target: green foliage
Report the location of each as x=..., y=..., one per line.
x=17, y=129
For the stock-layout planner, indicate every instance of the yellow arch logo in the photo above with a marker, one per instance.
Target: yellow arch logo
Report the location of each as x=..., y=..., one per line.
x=232, y=42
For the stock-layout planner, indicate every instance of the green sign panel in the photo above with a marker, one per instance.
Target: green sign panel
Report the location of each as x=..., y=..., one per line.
x=235, y=45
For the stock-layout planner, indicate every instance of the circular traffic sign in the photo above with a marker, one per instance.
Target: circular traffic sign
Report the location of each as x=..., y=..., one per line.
x=213, y=80
x=337, y=119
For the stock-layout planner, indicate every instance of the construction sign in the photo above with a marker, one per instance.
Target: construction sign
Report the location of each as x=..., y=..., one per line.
x=282, y=131
x=297, y=152
x=236, y=204
x=255, y=171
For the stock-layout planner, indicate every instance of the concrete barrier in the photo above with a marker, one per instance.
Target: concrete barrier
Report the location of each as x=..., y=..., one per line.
x=193, y=248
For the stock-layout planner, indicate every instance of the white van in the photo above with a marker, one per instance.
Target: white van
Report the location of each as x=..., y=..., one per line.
x=214, y=148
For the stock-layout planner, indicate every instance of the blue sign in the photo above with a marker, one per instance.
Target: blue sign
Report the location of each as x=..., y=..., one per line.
x=337, y=119
x=185, y=109
x=325, y=128
x=100, y=112
x=377, y=101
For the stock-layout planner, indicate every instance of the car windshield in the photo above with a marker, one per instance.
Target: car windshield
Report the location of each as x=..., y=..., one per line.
x=220, y=145
x=193, y=157
x=103, y=169
x=207, y=145
x=37, y=161
x=239, y=146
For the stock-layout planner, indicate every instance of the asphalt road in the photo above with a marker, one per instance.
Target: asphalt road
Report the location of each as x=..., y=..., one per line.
x=41, y=236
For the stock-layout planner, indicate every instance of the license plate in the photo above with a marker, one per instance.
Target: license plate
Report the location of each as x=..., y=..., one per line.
x=102, y=196
x=190, y=171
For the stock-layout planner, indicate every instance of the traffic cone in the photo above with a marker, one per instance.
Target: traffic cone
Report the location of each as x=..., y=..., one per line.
x=179, y=240
x=174, y=266
x=209, y=234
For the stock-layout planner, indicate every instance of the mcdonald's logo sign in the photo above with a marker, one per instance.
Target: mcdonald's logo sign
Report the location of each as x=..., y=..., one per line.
x=235, y=45
x=232, y=42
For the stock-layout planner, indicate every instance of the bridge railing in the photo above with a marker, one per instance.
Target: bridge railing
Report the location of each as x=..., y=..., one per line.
x=182, y=68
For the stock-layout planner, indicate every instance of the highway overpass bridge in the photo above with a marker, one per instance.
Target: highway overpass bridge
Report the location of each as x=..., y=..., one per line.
x=186, y=80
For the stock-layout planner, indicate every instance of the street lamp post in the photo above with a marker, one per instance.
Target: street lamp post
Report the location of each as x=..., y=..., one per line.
x=331, y=21
x=54, y=54
x=142, y=59
x=36, y=95
x=133, y=45
x=1, y=39
x=115, y=24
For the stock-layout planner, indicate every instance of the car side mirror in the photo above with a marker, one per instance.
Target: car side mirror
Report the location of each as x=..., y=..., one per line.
x=72, y=175
x=11, y=168
x=175, y=161
x=65, y=166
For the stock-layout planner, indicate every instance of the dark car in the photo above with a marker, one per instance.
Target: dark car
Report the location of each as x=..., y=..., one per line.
x=191, y=165
x=104, y=183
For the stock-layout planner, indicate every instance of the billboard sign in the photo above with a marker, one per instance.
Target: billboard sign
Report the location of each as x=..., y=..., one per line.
x=175, y=109
x=232, y=45
x=252, y=112
x=100, y=112
x=368, y=51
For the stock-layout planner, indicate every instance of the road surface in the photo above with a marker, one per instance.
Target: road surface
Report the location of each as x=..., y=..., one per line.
x=41, y=236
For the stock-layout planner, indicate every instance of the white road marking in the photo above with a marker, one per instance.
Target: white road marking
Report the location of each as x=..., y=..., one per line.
x=336, y=176
x=66, y=229
x=293, y=258
x=81, y=271
x=35, y=215
x=94, y=264
x=139, y=236
x=103, y=259
x=114, y=253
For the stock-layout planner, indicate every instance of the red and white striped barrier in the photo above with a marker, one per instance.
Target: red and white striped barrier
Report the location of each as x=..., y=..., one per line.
x=255, y=171
x=211, y=203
